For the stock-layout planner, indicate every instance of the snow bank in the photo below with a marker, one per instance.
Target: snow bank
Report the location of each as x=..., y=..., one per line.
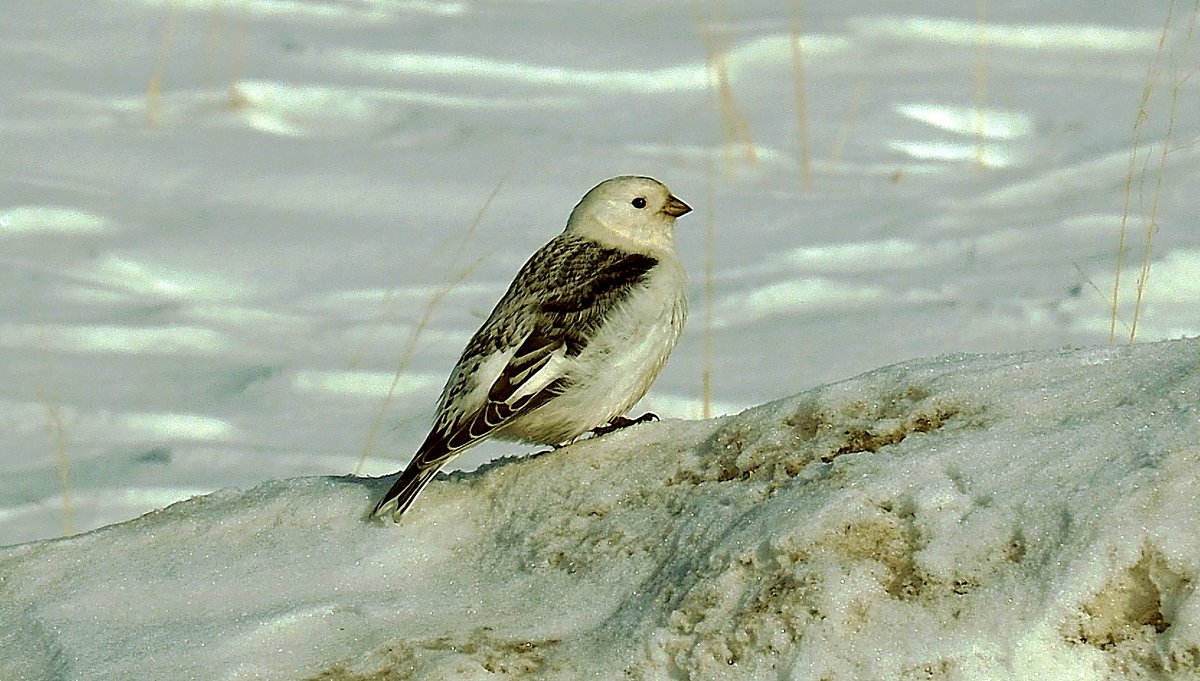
x=965, y=517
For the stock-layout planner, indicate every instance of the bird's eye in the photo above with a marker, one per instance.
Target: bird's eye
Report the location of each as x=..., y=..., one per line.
x=639, y=202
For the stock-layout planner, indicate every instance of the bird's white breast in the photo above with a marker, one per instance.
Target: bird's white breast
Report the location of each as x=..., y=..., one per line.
x=620, y=362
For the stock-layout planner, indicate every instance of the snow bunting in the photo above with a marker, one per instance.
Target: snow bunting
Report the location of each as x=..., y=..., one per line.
x=576, y=340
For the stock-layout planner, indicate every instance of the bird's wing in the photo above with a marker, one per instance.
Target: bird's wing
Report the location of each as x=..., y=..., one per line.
x=518, y=360
x=561, y=297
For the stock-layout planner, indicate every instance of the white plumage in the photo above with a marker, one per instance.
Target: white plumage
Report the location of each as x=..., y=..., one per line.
x=577, y=339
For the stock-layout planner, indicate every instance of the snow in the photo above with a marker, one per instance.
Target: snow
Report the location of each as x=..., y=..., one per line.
x=1027, y=516
x=225, y=226
x=241, y=244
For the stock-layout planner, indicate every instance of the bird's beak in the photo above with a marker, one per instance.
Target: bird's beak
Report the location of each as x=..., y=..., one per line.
x=675, y=207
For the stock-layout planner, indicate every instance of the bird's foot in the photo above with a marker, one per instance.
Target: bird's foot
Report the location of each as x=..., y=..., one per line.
x=622, y=422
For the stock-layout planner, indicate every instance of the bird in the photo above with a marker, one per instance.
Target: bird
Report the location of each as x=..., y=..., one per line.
x=576, y=340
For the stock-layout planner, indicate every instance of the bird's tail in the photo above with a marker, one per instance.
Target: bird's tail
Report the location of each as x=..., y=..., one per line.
x=405, y=490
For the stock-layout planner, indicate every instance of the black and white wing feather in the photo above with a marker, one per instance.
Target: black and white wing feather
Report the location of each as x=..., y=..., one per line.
x=519, y=358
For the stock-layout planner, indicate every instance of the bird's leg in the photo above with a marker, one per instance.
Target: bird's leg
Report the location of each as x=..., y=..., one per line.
x=622, y=422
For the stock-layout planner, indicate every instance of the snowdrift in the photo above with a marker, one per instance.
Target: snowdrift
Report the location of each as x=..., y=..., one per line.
x=965, y=517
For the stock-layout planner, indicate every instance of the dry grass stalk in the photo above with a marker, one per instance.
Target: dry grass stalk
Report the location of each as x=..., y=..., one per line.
x=800, y=93
x=58, y=433
x=388, y=306
x=431, y=306
x=154, y=114
x=710, y=249
x=406, y=356
x=1164, y=149
x=735, y=129
x=1153, y=74
x=981, y=87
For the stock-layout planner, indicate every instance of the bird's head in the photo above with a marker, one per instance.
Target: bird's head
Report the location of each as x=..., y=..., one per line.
x=631, y=212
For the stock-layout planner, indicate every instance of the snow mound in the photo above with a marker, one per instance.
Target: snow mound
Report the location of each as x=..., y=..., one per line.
x=966, y=517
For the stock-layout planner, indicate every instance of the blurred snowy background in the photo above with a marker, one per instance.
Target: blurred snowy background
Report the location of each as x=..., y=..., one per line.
x=225, y=225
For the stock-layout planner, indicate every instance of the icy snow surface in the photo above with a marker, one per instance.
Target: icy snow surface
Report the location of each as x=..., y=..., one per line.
x=1026, y=516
